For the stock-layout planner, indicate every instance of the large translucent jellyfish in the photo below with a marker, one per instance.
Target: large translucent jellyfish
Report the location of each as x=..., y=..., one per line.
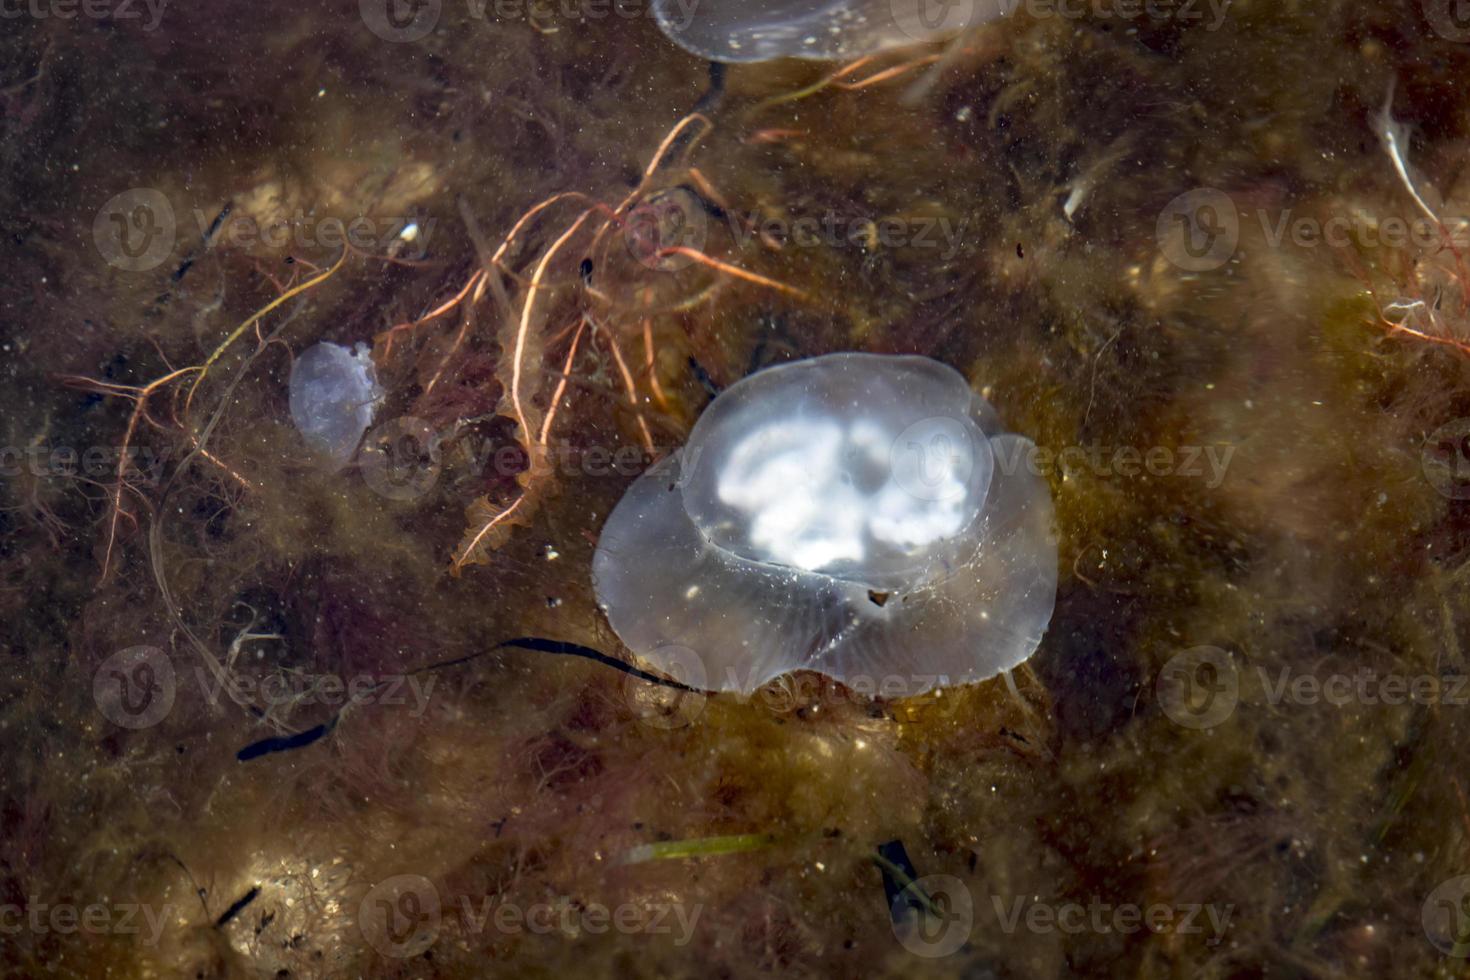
x=334, y=394
x=858, y=515
x=760, y=30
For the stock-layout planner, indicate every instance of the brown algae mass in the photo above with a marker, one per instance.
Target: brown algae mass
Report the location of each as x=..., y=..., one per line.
x=267, y=719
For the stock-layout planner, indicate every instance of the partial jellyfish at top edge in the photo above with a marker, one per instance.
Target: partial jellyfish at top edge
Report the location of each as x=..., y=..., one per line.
x=858, y=515
x=824, y=30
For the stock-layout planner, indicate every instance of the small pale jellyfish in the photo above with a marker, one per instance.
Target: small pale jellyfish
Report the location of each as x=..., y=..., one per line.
x=334, y=395
x=858, y=515
x=826, y=30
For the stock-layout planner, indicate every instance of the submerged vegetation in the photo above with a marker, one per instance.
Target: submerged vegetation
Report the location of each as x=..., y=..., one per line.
x=1215, y=270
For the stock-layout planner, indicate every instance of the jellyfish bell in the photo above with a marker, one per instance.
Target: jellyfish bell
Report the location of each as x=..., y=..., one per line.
x=334, y=394
x=869, y=469
x=858, y=515
x=823, y=30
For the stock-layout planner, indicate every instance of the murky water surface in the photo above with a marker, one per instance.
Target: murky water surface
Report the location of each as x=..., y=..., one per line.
x=277, y=701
